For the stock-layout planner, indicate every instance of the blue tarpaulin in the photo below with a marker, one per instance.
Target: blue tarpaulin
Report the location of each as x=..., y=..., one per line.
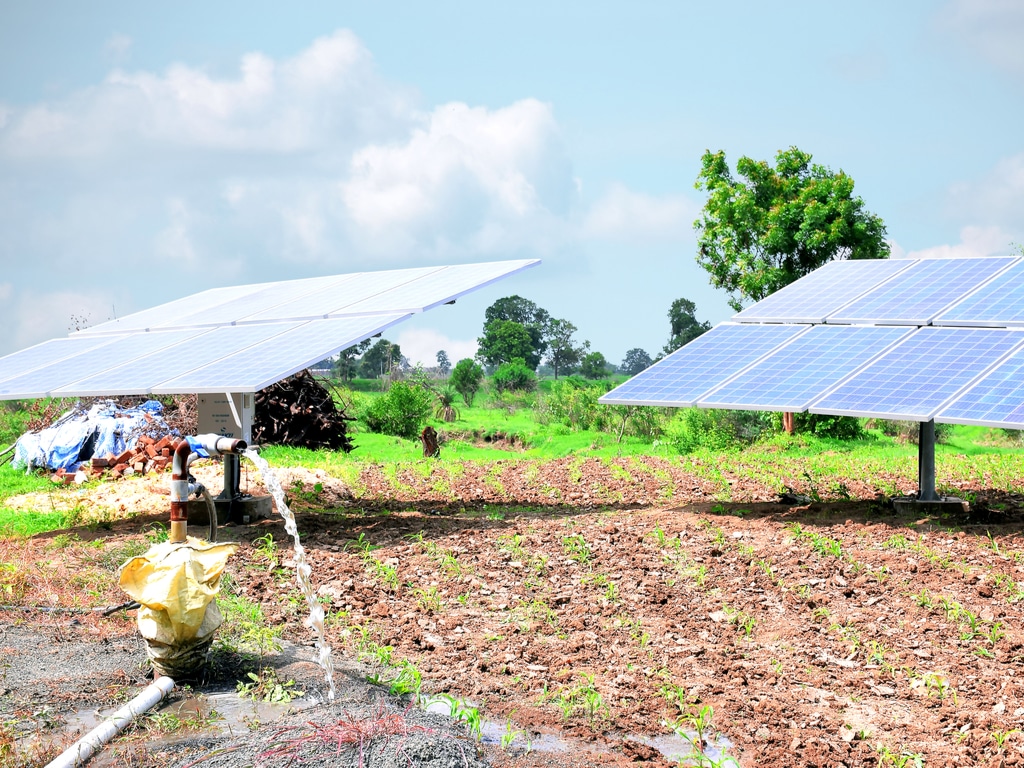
x=80, y=434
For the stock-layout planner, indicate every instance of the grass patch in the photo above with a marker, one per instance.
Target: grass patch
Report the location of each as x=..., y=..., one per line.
x=27, y=522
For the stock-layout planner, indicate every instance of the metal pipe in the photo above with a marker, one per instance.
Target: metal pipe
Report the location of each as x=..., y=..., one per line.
x=79, y=752
x=926, y=462
x=179, y=492
x=214, y=445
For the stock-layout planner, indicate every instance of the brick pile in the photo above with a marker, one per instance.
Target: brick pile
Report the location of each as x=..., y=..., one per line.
x=148, y=455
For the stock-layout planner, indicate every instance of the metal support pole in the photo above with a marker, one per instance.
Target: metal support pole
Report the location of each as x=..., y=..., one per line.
x=926, y=462
x=232, y=472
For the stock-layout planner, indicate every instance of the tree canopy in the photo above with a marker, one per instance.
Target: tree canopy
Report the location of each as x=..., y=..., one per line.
x=443, y=363
x=527, y=314
x=635, y=361
x=379, y=359
x=466, y=379
x=506, y=340
x=593, y=366
x=683, y=325
x=564, y=354
x=776, y=224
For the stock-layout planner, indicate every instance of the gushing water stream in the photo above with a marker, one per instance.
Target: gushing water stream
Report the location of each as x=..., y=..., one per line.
x=302, y=569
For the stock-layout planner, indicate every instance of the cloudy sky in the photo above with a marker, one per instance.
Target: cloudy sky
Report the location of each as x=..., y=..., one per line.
x=147, y=153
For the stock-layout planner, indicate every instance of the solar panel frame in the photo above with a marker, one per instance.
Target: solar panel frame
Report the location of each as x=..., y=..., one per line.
x=272, y=295
x=41, y=382
x=801, y=371
x=140, y=375
x=433, y=290
x=998, y=303
x=922, y=292
x=147, y=319
x=264, y=363
x=920, y=374
x=713, y=362
x=335, y=299
x=47, y=353
x=824, y=291
x=996, y=399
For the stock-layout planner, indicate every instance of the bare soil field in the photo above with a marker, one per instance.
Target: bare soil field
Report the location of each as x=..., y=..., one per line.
x=605, y=607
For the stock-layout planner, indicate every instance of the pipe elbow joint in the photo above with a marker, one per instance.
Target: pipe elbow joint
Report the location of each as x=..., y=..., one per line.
x=216, y=445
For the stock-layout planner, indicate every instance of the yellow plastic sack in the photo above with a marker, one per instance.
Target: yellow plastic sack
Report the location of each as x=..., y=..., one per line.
x=175, y=582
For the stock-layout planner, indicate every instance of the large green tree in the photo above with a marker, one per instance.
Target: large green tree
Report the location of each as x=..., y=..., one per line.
x=504, y=341
x=635, y=361
x=379, y=359
x=773, y=225
x=347, y=365
x=683, y=325
x=594, y=366
x=523, y=311
x=564, y=353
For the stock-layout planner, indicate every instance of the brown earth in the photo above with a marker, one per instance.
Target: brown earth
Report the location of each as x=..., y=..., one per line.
x=570, y=598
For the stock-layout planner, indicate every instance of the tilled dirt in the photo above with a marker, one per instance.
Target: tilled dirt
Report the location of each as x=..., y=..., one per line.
x=574, y=598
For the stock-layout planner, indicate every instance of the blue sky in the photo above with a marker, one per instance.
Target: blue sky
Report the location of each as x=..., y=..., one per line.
x=147, y=154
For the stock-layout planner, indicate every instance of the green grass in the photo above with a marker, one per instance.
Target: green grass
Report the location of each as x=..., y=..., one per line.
x=15, y=481
x=18, y=523
x=21, y=522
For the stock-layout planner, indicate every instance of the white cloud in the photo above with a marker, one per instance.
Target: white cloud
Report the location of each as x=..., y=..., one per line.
x=421, y=345
x=974, y=241
x=467, y=179
x=325, y=93
x=288, y=167
x=996, y=198
x=174, y=244
x=623, y=214
x=117, y=47
x=993, y=29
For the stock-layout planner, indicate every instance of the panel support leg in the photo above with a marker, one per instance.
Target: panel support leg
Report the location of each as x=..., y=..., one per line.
x=926, y=462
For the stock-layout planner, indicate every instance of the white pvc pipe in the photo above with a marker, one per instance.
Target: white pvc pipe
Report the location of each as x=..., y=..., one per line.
x=102, y=734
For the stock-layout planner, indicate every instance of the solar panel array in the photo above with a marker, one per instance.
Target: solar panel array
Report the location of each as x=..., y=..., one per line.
x=796, y=375
x=236, y=339
x=682, y=377
x=921, y=292
x=920, y=339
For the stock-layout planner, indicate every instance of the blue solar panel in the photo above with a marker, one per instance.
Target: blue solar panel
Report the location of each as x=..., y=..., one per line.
x=1000, y=303
x=921, y=292
x=263, y=363
x=41, y=382
x=47, y=353
x=916, y=377
x=812, y=298
x=790, y=378
x=682, y=377
x=997, y=400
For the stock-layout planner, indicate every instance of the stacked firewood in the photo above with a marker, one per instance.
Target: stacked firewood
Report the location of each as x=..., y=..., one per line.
x=300, y=411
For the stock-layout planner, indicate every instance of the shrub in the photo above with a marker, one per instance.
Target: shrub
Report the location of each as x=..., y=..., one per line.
x=910, y=431
x=715, y=430
x=574, y=404
x=445, y=409
x=825, y=425
x=466, y=378
x=399, y=412
x=514, y=377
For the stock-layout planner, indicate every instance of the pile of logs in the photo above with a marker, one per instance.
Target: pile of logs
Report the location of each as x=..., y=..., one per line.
x=149, y=454
x=300, y=411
